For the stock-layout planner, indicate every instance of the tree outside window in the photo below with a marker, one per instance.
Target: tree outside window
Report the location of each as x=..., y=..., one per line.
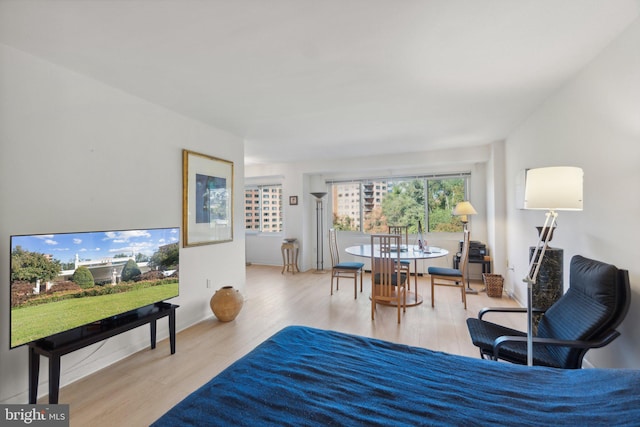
x=371, y=206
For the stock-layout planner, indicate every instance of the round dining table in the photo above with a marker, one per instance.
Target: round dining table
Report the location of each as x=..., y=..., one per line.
x=412, y=252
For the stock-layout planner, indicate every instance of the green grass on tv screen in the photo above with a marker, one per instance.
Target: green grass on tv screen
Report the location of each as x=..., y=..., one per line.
x=38, y=321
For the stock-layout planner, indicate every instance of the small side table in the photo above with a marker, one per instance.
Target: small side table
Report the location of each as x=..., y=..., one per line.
x=63, y=343
x=290, y=251
x=485, y=261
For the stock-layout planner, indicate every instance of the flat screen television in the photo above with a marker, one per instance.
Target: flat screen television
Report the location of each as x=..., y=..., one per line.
x=60, y=282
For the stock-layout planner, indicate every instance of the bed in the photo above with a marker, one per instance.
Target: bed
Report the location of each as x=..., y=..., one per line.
x=306, y=376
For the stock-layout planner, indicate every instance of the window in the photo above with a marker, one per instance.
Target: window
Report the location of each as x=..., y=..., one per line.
x=372, y=205
x=263, y=207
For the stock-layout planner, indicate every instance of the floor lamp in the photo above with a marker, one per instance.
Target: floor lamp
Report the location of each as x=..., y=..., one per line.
x=319, y=232
x=463, y=209
x=552, y=189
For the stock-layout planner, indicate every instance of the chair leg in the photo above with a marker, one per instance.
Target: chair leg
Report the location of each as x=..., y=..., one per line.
x=332, y=276
x=355, y=285
x=464, y=295
x=404, y=305
x=432, y=292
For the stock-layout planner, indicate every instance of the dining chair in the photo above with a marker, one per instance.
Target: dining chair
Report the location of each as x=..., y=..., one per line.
x=442, y=276
x=343, y=269
x=388, y=283
x=405, y=264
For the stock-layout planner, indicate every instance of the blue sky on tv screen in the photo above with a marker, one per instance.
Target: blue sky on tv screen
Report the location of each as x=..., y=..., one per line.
x=97, y=245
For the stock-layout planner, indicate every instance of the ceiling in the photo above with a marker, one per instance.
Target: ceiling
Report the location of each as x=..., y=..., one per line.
x=317, y=79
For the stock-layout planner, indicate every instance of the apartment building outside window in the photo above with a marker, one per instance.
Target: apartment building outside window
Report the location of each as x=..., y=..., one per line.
x=263, y=208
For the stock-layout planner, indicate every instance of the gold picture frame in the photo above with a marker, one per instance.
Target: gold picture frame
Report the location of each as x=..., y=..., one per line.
x=207, y=199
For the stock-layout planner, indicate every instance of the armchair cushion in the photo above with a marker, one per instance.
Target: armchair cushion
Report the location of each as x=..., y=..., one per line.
x=483, y=335
x=586, y=309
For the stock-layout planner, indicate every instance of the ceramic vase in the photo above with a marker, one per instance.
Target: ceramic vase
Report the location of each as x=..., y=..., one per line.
x=226, y=303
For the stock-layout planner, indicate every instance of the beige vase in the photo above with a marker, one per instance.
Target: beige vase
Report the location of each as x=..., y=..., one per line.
x=226, y=303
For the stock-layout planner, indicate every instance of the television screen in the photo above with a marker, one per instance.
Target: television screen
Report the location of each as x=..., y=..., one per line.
x=63, y=281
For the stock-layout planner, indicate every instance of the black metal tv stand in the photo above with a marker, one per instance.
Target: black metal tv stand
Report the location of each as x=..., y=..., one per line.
x=63, y=343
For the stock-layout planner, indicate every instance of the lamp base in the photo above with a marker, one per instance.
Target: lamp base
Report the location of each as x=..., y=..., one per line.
x=470, y=290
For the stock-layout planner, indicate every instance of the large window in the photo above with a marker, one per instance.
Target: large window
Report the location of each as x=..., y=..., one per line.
x=263, y=208
x=372, y=205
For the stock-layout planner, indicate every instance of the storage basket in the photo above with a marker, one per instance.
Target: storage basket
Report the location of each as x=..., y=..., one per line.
x=493, y=283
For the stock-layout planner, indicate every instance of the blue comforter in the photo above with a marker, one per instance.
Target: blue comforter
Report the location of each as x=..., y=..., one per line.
x=304, y=376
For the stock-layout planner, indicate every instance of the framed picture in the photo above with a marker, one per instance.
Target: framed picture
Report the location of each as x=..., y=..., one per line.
x=207, y=199
x=293, y=200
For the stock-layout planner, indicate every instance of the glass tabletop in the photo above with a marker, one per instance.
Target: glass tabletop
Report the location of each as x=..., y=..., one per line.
x=406, y=252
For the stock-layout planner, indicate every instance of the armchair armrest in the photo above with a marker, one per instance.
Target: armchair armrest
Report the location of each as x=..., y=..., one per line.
x=596, y=343
x=507, y=310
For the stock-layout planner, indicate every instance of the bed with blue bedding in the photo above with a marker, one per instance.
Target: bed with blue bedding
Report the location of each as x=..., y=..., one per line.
x=305, y=376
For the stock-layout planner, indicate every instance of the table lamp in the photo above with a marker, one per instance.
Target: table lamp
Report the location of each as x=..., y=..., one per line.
x=552, y=189
x=463, y=209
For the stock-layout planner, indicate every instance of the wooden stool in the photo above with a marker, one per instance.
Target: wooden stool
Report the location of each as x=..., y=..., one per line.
x=290, y=257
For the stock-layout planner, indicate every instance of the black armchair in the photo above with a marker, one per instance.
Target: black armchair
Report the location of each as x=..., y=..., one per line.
x=584, y=317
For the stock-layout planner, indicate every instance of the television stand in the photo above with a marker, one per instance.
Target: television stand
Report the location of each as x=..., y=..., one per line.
x=58, y=345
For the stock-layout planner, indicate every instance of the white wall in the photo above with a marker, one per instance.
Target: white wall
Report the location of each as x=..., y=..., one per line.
x=77, y=155
x=496, y=209
x=594, y=123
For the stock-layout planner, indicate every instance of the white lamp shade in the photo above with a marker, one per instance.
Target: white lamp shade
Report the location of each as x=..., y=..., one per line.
x=554, y=188
x=464, y=208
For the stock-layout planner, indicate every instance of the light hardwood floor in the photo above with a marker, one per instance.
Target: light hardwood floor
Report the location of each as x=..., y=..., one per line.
x=139, y=389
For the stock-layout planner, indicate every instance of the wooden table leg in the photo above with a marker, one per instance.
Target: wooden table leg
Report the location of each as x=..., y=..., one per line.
x=415, y=275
